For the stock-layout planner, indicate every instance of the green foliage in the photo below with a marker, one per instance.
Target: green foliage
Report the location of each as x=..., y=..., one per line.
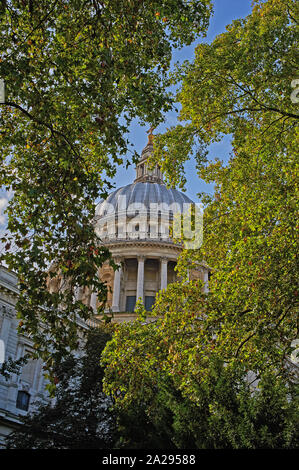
x=76, y=74
x=239, y=85
x=140, y=310
x=11, y=366
x=229, y=412
x=81, y=417
x=232, y=411
x=232, y=414
x=137, y=429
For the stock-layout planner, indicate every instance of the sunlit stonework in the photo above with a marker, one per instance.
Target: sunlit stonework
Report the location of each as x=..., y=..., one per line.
x=134, y=222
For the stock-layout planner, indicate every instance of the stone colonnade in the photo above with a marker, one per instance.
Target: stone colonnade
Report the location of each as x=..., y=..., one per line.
x=140, y=280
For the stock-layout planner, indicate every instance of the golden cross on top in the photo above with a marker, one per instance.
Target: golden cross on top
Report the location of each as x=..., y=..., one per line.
x=150, y=135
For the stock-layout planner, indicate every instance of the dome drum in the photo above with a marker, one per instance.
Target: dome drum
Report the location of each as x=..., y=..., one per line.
x=134, y=222
x=139, y=211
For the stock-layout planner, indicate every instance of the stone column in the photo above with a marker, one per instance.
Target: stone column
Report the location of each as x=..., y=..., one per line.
x=164, y=263
x=37, y=371
x=140, y=278
x=61, y=285
x=116, y=288
x=77, y=293
x=19, y=353
x=206, y=281
x=5, y=329
x=93, y=301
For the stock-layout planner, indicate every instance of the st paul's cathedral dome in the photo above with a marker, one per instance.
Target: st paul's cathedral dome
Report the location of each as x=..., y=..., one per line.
x=134, y=223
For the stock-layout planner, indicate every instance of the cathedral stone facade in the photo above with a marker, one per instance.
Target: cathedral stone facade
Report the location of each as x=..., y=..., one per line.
x=19, y=392
x=134, y=223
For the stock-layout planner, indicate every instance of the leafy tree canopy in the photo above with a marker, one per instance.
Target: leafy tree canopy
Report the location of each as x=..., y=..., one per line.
x=229, y=412
x=239, y=85
x=81, y=417
x=76, y=74
x=242, y=85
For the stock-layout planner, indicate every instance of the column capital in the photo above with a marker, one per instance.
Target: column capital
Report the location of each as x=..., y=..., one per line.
x=164, y=259
x=141, y=257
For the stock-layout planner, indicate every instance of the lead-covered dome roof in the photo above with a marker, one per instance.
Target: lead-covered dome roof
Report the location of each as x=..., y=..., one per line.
x=142, y=194
x=147, y=190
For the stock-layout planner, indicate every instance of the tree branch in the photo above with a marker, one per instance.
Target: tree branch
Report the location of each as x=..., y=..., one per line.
x=34, y=29
x=269, y=108
x=243, y=342
x=42, y=123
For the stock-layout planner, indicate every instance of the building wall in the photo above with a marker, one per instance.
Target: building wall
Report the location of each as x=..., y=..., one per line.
x=106, y=274
x=30, y=380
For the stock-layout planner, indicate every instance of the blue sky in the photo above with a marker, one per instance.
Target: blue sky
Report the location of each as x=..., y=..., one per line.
x=225, y=11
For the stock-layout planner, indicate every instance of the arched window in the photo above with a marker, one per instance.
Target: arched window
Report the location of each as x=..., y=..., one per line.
x=23, y=399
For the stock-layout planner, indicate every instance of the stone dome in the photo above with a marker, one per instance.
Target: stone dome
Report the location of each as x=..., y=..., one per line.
x=142, y=226
x=142, y=210
x=143, y=195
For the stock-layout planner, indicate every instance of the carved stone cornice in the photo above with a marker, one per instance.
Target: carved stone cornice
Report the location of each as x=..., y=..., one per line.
x=153, y=243
x=7, y=311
